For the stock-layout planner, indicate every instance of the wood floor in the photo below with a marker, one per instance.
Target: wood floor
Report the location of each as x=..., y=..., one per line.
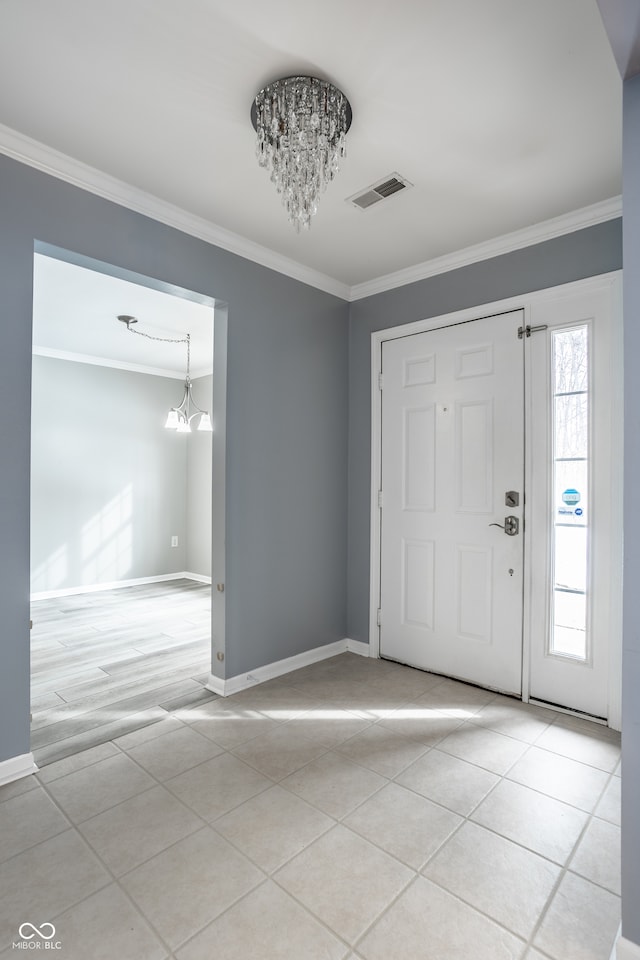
x=104, y=664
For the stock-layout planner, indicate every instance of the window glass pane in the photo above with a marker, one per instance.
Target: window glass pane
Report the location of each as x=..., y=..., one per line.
x=571, y=360
x=571, y=558
x=572, y=425
x=570, y=635
x=570, y=610
x=571, y=514
x=568, y=642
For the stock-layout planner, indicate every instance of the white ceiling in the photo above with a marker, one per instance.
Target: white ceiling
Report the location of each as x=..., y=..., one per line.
x=75, y=314
x=503, y=113
x=621, y=19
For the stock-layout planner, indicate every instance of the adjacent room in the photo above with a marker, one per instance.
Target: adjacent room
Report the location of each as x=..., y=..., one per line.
x=120, y=507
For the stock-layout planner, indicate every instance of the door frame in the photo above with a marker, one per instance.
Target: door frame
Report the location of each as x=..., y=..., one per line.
x=532, y=304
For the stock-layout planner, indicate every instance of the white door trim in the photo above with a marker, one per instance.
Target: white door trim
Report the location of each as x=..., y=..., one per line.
x=612, y=282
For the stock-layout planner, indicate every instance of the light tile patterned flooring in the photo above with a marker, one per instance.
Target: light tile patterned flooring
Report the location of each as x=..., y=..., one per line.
x=352, y=809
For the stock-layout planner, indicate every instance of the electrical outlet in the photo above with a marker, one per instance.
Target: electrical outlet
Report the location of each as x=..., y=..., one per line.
x=174, y=541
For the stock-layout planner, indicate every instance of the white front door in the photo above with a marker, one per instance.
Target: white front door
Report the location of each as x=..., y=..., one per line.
x=452, y=468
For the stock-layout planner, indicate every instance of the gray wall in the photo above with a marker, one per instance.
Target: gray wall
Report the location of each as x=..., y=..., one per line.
x=286, y=449
x=199, y=475
x=631, y=642
x=108, y=482
x=575, y=256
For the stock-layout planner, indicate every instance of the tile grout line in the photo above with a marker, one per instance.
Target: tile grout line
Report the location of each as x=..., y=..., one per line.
x=267, y=876
x=464, y=819
x=116, y=879
x=418, y=873
x=565, y=869
x=334, y=750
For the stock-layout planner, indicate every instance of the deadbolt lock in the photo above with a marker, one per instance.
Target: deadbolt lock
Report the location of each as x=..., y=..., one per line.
x=512, y=498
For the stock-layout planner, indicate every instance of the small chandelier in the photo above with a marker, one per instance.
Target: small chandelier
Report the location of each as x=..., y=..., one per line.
x=301, y=125
x=180, y=417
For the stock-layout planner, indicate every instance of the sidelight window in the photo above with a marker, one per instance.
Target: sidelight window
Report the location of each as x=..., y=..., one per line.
x=570, y=502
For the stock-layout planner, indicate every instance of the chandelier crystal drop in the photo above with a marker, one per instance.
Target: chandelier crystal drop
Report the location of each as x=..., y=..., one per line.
x=301, y=125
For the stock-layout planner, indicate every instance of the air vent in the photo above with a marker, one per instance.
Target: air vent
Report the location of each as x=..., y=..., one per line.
x=379, y=191
x=365, y=200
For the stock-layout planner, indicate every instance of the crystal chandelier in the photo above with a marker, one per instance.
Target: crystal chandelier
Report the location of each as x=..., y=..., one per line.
x=180, y=417
x=301, y=124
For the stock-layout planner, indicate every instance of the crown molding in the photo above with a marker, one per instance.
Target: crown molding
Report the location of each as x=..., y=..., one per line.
x=41, y=157
x=55, y=354
x=537, y=233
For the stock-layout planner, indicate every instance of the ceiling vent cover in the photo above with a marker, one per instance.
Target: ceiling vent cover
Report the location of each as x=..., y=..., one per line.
x=391, y=184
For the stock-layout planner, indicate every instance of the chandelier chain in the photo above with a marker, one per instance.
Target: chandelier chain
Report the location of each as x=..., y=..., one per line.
x=149, y=336
x=179, y=418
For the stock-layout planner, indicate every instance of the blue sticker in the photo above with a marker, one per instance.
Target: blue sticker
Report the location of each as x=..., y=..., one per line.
x=571, y=497
x=578, y=511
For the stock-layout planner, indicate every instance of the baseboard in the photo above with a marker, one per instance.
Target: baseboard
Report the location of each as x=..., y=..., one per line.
x=225, y=688
x=116, y=585
x=357, y=646
x=199, y=577
x=626, y=950
x=17, y=767
x=216, y=685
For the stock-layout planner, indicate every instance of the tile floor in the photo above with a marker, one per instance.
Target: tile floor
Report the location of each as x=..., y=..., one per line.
x=352, y=810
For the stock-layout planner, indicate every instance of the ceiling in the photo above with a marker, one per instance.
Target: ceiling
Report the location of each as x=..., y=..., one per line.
x=502, y=113
x=621, y=19
x=75, y=313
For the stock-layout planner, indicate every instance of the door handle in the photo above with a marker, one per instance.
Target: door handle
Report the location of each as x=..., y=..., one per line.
x=511, y=526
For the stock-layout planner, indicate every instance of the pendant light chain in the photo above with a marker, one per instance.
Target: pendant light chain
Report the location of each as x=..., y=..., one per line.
x=140, y=333
x=179, y=417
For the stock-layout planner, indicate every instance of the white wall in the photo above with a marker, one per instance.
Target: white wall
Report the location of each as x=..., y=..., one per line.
x=108, y=482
